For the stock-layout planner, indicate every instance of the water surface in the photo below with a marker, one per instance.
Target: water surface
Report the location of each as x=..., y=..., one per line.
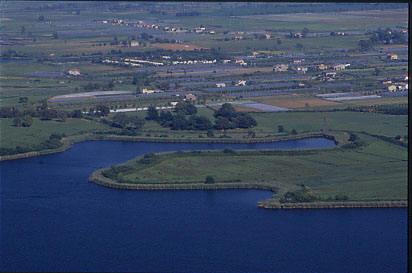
x=52, y=219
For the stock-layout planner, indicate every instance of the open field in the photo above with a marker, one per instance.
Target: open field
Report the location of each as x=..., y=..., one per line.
x=295, y=101
x=176, y=47
x=375, y=171
x=40, y=131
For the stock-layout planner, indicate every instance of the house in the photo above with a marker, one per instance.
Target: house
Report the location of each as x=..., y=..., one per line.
x=392, y=56
x=148, y=91
x=74, y=72
x=298, y=61
x=297, y=35
x=267, y=36
x=241, y=62
x=226, y=61
x=241, y=83
x=281, y=68
x=340, y=67
x=322, y=67
x=406, y=78
x=190, y=97
x=301, y=85
x=173, y=103
x=134, y=43
x=392, y=88
x=302, y=69
x=220, y=85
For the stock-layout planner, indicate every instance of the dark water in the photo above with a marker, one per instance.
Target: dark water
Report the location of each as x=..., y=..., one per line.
x=52, y=219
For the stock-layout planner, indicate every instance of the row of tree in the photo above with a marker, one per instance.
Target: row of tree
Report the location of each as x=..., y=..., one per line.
x=383, y=36
x=185, y=118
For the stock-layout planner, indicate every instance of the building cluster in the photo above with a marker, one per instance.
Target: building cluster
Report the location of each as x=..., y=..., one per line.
x=141, y=24
x=396, y=85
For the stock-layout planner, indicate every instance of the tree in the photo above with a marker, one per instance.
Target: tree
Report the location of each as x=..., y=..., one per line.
x=365, y=45
x=223, y=123
x=179, y=122
x=200, y=123
x=209, y=179
x=245, y=120
x=23, y=100
x=152, y=113
x=210, y=133
x=27, y=121
x=55, y=35
x=294, y=132
x=165, y=118
x=102, y=110
x=22, y=29
x=281, y=129
x=251, y=134
x=305, y=32
x=41, y=18
x=17, y=122
x=278, y=41
x=76, y=114
x=185, y=108
x=226, y=110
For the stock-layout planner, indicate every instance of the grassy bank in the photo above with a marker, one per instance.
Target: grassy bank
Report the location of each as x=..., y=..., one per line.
x=306, y=124
x=374, y=171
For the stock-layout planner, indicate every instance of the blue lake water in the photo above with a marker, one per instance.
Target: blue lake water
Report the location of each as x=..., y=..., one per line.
x=53, y=219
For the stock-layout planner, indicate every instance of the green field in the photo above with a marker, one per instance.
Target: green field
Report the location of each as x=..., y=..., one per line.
x=11, y=136
x=303, y=122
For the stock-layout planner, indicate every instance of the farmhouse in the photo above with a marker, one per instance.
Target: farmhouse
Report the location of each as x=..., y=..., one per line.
x=281, y=68
x=322, y=67
x=392, y=56
x=150, y=91
x=339, y=67
x=74, y=72
x=190, y=97
x=134, y=43
x=241, y=83
x=301, y=69
x=297, y=35
x=392, y=88
x=220, y=85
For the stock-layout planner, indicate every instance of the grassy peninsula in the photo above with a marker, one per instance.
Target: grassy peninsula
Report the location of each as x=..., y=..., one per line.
x=367, y=169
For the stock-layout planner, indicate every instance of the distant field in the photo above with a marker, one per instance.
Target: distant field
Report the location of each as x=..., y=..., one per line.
x=176, y=47
x=379, y=124
x=40, y=131
x=295, y=101
x=352, y=20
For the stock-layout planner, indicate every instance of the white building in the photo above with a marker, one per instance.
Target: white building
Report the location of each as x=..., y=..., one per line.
x=281, y=68
x=220, y=85
x=241, y=83
x=74, y=72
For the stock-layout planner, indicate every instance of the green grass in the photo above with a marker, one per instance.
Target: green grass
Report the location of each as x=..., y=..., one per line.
x=11, y=136
x=379, y=124
x=377, y=171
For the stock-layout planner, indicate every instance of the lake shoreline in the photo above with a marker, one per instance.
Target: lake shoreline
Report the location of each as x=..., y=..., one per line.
x=98, y=178
x=69, y=141
x=336, y=205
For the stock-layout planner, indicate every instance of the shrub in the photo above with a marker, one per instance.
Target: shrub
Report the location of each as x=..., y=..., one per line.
x=209, y=179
